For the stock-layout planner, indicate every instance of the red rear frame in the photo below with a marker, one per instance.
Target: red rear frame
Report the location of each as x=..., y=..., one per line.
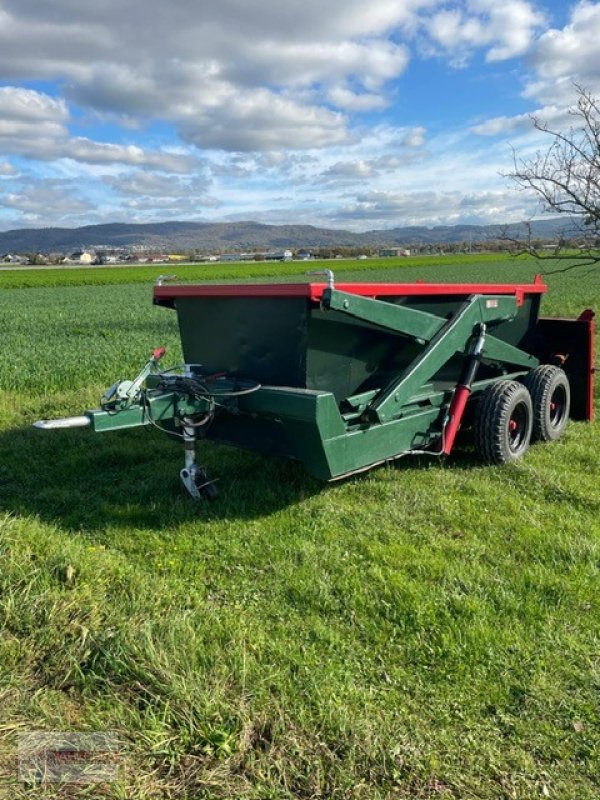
x=166, y=294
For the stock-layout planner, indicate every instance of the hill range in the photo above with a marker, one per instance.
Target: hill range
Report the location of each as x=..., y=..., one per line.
x=239, y=236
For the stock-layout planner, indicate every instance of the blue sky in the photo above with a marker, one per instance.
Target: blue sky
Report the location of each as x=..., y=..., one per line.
x=342, y=114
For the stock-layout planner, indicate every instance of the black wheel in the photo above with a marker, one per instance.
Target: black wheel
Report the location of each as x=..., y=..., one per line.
x=503, y=422
x=551, y=397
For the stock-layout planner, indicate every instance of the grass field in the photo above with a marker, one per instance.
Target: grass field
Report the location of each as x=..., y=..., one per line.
x=422, y=631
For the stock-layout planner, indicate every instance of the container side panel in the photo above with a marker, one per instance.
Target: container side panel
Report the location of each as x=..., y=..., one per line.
x=344, y=354
x=347, y=356
x=258, y=434
x=518, y=332
x=514, y=332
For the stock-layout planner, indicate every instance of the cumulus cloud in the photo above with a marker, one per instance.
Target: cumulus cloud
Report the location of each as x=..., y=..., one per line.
x=34, y=125
x=563, y=55
x=26, y=105
x=48, y=202
x=229, y=75
x=91, y=152
x=362, y=169
x=153, y=184
x=387, y=208
x=158, y=192
x=261, y=121
x=506, y=29
x=138, y=197
x=242, y=77
x=346, y=99
x=559, y=58
x=551, y=115
x=348, y=170
x=279, y=96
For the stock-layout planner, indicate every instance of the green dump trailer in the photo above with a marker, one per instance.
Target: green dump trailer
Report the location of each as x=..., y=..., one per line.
x=343, y=377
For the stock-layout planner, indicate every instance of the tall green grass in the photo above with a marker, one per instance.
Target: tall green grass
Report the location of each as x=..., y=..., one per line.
x=422, y=631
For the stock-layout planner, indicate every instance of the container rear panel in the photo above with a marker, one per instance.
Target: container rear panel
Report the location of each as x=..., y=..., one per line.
x=257, y=338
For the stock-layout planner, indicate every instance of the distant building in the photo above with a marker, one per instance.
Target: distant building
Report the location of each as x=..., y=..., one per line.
x=80, y=257
x=278, y=255
x=394, y=252
x=11, y=258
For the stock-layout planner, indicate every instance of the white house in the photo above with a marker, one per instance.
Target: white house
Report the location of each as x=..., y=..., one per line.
x=80, y=257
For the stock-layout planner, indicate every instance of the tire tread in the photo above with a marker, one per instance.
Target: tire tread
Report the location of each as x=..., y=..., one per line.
x=540, y=383
x=490, y=420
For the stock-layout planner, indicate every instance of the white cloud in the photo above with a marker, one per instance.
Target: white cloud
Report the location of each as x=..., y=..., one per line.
x=499, y=125
x=259, y=76
x=34, y=125
x=7, y=170
x=230, y=75
x=559, y=59
x=153, y=184
x=363, y=169
x=48, y=202
x=553, y=116
x=159, y=193
x=277, y=94
x=260, y=120
x=91, y=152
x=26, y=105
x=348, y=170
x=506, y=29
x=563, y=55
x=415, y=137
x=346, y=99
x=302, y=64
x=388, y=208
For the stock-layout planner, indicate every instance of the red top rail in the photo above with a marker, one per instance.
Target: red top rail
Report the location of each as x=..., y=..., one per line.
x=314, y=291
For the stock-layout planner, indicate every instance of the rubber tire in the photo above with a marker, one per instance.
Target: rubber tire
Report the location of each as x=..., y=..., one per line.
x=542, y=382
x=492, y=422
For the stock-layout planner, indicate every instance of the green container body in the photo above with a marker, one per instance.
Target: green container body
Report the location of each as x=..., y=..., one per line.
x=291, y=341
x=312, y=362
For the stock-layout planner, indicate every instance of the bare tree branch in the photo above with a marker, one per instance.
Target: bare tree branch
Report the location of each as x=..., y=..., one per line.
x=566, y=178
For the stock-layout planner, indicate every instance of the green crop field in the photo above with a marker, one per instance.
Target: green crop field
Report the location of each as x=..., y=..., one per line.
x=427, y=630
x=19, y=277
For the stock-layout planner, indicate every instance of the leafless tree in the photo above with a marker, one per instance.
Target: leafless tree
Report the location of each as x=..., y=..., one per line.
x=566, y=179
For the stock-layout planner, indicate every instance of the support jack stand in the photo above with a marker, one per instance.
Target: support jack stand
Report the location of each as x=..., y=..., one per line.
x=193, y=476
